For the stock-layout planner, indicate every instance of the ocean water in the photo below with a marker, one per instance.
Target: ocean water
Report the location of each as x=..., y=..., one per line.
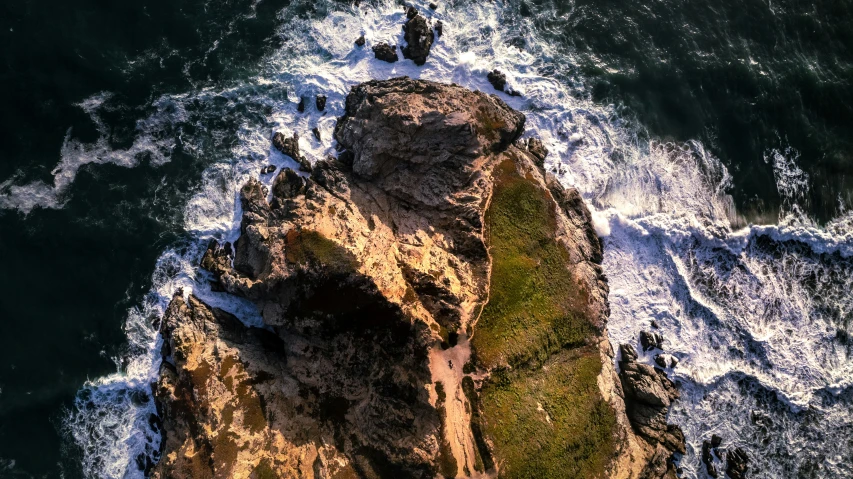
x=711, y=141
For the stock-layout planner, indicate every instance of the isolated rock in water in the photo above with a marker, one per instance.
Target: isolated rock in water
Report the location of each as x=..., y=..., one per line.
x=497, y=79
x=716, y=441
x=737, y=463
x=433, y=6
x=301, y=106
x=370, y=274
x=321, y=102
x=651, y=340
x=385, y=52
x=360, y=41
x=419, y=38
x=708, y=460
x=316, y=132
x=267, y=169
x=439, y=28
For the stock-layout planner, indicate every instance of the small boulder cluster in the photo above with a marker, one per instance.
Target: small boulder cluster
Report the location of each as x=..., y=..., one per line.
x=737, y=461
x=498, y=80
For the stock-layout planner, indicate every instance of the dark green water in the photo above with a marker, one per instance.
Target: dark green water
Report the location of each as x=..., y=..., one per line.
x=742, y=77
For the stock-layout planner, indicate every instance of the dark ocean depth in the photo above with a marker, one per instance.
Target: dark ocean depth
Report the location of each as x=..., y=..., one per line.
x=746, y=78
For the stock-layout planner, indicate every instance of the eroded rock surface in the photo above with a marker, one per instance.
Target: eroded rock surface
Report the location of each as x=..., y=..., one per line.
x=386, y=284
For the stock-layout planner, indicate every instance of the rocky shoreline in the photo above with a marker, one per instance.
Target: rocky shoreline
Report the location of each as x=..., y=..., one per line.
x=433, y=306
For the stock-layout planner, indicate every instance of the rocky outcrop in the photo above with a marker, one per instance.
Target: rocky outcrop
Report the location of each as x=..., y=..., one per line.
x=498, y=80
x=419, y=37
x=290, y=147
x=388, y=282
x=385, y=52
x=648, y=395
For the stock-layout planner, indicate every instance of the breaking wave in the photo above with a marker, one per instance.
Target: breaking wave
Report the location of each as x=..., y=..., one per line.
x=759, y=317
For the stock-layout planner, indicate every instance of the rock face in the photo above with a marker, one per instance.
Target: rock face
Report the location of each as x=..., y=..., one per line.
x=387, y=282
x=419, y=37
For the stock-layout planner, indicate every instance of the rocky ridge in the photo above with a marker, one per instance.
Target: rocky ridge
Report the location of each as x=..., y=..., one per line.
x=388, y=283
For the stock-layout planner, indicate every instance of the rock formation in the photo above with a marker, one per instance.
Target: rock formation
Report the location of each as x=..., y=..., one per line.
x=385, y=52
x=433, y=306
x=418, y=36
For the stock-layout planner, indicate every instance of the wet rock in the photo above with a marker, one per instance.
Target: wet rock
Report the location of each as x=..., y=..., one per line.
x=267, y=169
x=497, y=79
x=654, y=324
x=651, y=340
x=433, y=6
x=288, y=146
x=301, y=107
x=316, y=132
x=708, y=459
x=411, y=12
x=716, y=441
x=360, y=41
x=385, y=52
x=537, y=148
x=439, y=28
x=419, y=38
x=666, y=360
x=629, y=354
x=737, y=463
x=320, y=101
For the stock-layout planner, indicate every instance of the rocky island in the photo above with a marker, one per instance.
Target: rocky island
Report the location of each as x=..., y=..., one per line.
x=434, y=306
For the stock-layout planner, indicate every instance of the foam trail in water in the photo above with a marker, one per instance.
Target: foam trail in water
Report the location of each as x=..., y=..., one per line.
x=758, y=317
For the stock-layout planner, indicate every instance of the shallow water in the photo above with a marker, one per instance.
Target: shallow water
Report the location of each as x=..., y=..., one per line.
x=758, y=315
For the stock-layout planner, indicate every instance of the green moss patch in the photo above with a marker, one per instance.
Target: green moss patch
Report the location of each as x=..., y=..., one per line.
x=535, y=308
x=541, y=407
x=551, y=422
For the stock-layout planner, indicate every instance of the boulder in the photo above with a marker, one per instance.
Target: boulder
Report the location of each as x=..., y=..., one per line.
x=316, y=132
x=360, y=41
x=439, y=28
x=320, y=101
x=385, y=52
x=301, y=106
x=267, y=169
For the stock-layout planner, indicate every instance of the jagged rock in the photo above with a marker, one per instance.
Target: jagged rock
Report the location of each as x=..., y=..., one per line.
x=370, y=276
x=666, y=360
x=648, y=395
x=708, y=460
x=716, y=441
x=439, y=28
x=316, y=132
x=651, y=340
x=419, y=38
x=320, y=102
x=385, y=52
x=288, y=146
x=535, y=146
x=497, y=79
x=301, y=106
x=267, y=169
x=737, y=463
x=360, y=41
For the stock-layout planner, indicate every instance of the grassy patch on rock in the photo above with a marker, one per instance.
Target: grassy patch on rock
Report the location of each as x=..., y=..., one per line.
x=541, y=408
x=535, y=307
x=311, y=247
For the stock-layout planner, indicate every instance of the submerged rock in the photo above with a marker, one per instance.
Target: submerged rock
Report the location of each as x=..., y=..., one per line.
x=381, y=353
x=385, y=52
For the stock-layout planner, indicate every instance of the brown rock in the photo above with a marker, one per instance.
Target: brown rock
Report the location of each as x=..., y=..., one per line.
x=419, y=38
x=385, y=52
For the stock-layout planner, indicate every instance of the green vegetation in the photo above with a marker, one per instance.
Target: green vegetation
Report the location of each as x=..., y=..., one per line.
x=541, y=407
x=535, y=308
x=310, y=247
